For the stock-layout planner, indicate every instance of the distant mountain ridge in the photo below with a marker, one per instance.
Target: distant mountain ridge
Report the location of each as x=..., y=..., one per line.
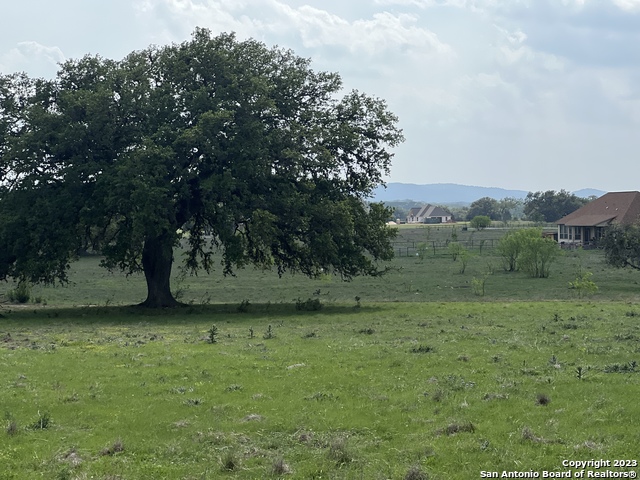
x=451, y=193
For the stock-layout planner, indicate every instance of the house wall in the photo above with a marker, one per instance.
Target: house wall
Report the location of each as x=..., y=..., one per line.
x=579, y=235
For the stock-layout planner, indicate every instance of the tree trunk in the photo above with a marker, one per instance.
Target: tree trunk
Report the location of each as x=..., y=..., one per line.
x=157, y=259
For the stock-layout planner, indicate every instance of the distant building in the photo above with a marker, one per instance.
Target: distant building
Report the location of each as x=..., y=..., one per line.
x=428, y=214
x=586, y=225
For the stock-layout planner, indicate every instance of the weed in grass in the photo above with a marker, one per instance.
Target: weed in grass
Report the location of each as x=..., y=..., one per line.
x=115, y=447
x=415, y=473
x=230, y=461
x=305, y=437
x=579, y=373
x=423, y=349
x=43, y=422
x=213, y=334
x=309, y=335
x=495, y=396
x=339, y=451
x=193, y=402
x=269, y=333
x=454, y=428
x=543, y=399
x=72, y=458
x=439, y=395
x=529, y=435
x=629, y=367
x=234, y=387
x=74, y=397
x=12, y=425
x=367, y=331
x=250, y=332
x=279, y=467
x=253, y=417
x=463, y=358
x=321, y=396
x=358, y=305
x=456, y=382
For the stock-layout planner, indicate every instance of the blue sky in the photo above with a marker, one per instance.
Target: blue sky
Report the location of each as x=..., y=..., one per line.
x=519, y=94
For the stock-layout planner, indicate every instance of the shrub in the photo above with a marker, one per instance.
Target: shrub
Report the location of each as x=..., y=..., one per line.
x=583, y=285
x=20, y=294
x=308, y=305
x=537, y=256
x=244, y=306
x=478, y=285
x=480, y=222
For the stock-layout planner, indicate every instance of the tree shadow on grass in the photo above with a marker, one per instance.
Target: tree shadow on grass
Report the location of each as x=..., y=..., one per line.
x=185, y=314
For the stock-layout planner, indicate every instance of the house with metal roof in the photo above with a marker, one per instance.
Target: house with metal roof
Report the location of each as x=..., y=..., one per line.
x=428, y=214
x=586, y=225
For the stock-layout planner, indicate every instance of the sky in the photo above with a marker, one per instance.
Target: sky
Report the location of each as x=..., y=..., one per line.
x=518, y=94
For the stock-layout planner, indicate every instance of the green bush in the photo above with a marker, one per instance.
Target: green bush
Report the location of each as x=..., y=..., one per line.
x=480, y=222
x=308, y=305
x=20, y=294
x=527, y=250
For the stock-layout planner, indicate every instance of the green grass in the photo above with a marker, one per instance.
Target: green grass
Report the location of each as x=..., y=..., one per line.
x=448, y=388
x=412, y=375
x=410, y=279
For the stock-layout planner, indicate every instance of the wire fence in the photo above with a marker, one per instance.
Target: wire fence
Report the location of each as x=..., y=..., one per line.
x=412, y=249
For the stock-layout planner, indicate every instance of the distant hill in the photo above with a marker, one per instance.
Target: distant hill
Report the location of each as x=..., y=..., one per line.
x=588, y=192
x=452, y=193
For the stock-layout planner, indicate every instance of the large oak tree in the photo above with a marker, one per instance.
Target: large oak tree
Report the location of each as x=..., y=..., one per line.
x=244, y=149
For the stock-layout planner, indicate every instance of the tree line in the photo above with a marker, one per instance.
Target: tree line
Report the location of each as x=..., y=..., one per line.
x=547, y=206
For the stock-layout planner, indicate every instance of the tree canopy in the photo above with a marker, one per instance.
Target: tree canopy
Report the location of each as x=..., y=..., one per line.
x=243, y=149
x=621, y=244
x=480, y=222
x=550, y=206
x=485, y=207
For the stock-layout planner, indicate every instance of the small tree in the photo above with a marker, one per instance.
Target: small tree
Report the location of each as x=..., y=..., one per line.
x=455, y=249
x=538, y=254
x=583, y=285
x=423, y=250
x=510, y=247
x=478, y=284
x=465, y=255
x=480, y=222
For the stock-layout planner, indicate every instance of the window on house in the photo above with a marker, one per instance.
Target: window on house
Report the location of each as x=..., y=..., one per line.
x=563, y=232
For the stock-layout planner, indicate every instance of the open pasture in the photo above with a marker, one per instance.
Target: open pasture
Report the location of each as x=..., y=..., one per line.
x=433, y=277
x=385, y=391
x=412, y=375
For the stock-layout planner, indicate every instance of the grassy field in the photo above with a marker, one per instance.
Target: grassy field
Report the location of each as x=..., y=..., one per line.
x=418, y=378
x=410, y=279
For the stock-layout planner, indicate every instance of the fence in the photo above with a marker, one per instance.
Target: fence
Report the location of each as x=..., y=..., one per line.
x=410, y=248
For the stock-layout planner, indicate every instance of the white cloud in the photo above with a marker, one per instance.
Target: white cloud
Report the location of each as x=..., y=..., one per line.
x=381, y=33
x=628, y=5
x=37, y=59
x=315, y=27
